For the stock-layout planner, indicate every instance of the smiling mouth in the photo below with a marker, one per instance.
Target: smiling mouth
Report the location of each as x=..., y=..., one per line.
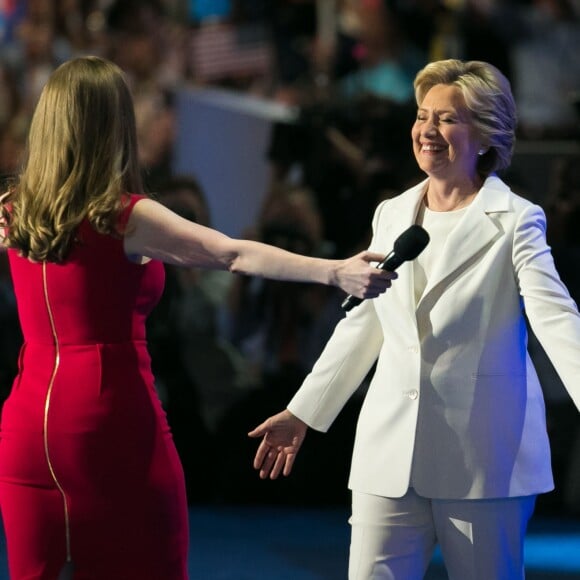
x=432, y=148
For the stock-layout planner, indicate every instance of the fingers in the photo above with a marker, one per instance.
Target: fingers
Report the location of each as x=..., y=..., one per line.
x=372, y=256
x=261, y=453
x=268, y=464
x=278, y=465
x=289, y=464
x=378, y=283
x=377, y=275
x=277, y=462
x=267, y=459
x=271, y=462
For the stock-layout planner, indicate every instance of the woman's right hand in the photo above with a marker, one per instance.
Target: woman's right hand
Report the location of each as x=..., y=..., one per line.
x=282, y=435
x=356, y=276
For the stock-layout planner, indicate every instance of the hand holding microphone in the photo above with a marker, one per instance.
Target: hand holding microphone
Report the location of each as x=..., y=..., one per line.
x=407, y=247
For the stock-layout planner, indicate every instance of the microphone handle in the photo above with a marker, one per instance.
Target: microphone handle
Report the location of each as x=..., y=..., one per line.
x=391, y=263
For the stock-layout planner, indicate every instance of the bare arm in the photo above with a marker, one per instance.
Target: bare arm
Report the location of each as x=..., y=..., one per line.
x=156, y=232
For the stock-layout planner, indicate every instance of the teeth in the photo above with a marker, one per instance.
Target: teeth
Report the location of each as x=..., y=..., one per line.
x=432, y=148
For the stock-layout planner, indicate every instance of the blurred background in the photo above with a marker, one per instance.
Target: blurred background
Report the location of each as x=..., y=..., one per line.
x=288, y=121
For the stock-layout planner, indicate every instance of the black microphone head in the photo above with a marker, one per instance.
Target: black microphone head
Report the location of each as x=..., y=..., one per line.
x=411, y=243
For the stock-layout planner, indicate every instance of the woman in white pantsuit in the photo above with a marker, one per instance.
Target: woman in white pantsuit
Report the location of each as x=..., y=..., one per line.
x=451, y=444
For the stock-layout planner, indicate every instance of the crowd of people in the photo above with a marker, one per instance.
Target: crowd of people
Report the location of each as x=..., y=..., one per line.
x=228, y=351
x=320, y=51
x=348, y=65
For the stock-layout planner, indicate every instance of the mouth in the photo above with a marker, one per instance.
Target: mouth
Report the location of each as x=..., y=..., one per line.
x=432, y=148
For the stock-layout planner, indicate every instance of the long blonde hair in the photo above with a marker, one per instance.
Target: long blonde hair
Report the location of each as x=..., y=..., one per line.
x=81, y=157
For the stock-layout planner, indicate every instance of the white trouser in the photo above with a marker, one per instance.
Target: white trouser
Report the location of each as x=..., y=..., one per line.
x=393, y=539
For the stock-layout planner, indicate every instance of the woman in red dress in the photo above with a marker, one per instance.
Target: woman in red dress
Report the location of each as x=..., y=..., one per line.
x=91, y=486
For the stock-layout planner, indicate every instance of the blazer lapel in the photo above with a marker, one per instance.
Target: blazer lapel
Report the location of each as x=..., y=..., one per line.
x=402, y=214
x=472, y=234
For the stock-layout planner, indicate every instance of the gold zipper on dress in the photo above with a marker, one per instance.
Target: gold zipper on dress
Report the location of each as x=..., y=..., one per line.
x=46, y=409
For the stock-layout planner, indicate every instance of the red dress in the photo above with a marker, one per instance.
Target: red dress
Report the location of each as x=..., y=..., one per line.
x=88, y=468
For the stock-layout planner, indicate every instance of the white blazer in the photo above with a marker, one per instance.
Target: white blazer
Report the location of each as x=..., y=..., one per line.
x=454, y=408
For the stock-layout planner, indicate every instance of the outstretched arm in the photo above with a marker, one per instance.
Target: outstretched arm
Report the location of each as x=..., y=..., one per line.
x=282, y=435
x=156, y=232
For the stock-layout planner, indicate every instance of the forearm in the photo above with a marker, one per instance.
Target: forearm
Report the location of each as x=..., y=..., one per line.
x=257, y=259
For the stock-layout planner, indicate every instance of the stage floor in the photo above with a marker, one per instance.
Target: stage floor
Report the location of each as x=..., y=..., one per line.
x=285, y=543
x=290, y=543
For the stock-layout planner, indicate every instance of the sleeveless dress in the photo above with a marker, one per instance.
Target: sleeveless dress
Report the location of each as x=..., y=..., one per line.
x=89, y=473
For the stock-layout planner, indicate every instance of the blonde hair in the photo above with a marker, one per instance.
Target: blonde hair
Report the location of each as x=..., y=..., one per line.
x=488, y=96
x=81, y=157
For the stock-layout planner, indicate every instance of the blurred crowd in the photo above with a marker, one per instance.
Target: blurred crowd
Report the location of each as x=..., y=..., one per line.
x=304, y=52
x=228, y=352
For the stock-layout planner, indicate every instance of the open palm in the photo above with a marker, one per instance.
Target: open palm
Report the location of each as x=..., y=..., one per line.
x=282, y=435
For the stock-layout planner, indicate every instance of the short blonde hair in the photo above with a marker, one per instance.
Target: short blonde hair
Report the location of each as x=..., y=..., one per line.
x=488, y=96
x=81, y=157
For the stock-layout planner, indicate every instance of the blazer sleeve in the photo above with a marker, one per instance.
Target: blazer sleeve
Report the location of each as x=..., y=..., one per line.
x=346, y=360
x=552, y=313
x=340, y=369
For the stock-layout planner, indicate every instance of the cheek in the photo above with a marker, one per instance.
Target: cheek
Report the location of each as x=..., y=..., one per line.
x=415, y=138
x=415, y=132
x=416, y=149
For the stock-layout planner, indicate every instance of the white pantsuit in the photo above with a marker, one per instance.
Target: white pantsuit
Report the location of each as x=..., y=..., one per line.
x=455, y=408
x=393, y=539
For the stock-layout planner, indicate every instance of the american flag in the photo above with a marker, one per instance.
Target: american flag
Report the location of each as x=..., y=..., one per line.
x=221, y=50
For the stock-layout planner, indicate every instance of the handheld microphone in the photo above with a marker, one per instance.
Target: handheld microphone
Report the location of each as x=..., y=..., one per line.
x=407, y=247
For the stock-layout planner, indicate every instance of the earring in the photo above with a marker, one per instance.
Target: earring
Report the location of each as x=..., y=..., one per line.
x=482, y=151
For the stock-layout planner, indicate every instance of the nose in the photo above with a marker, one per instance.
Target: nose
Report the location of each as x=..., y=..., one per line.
x=428, y=128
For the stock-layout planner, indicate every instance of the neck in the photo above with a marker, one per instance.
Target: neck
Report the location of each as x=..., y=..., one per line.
x=449, y=197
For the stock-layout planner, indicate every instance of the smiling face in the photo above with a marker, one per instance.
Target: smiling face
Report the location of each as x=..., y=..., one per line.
x=445, y=142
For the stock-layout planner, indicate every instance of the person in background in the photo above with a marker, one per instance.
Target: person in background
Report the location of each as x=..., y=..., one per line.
x=451, y=445
x=10, y=336
x=90, y=482
x=198, y=373
x=388, y=60
x=544, y=41
x=276, y=325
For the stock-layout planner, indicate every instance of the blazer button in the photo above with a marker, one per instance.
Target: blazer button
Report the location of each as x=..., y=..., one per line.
x=413, y=394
